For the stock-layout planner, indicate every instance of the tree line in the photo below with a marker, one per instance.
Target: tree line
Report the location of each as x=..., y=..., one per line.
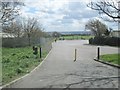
x=29, y=28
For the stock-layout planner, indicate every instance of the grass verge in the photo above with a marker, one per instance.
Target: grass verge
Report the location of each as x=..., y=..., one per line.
x=17, y=62
x=111, y=58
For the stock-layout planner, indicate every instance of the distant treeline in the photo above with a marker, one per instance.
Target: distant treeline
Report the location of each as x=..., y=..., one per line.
x=77, y=33
x=73, y=33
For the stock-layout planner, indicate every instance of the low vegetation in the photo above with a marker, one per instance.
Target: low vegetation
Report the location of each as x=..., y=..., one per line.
x=111, y=58
x=110, y=41
x=17, y=62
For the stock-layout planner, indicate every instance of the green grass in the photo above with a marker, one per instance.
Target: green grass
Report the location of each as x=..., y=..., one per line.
x=111, y=58
x=0, y=66
x=17, y=62
x=75, y=37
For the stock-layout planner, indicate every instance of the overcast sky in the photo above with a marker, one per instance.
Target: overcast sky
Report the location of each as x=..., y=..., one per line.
x=61, y=15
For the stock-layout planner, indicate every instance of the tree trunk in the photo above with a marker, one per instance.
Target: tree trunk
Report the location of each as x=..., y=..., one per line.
x=29, y=43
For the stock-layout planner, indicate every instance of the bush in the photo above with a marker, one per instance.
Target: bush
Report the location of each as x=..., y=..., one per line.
x=14, y=42
x=98, y=40
x=111, y=41
x=91, y=41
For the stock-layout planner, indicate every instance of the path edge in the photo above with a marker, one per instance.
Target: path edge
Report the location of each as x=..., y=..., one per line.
x=16, y=80
x=114, y=65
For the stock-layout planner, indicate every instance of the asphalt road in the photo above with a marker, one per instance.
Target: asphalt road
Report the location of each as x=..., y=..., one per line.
x=60, y=71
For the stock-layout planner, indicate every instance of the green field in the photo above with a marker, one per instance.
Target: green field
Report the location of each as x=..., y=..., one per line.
x=0, y=66
x=75, y=37
x=17, y=62
x=111, y=58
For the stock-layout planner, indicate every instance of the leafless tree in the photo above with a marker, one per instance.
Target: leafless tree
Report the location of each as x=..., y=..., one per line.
x=111, y=8
x=14, y=28
x=98, y=28
x=9, y=10
x=32, y=28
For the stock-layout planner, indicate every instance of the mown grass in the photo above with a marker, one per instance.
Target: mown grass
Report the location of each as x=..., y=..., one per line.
x=75, y=37
x=0, y=65
x=111, y=58
x=17, y=62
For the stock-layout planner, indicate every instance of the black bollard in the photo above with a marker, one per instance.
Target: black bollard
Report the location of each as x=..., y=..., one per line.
x=33, y=48
x=35, y=51
x=40, y=52
x=98, y=53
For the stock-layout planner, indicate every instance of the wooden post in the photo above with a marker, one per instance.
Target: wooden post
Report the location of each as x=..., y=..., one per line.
x=75, y=54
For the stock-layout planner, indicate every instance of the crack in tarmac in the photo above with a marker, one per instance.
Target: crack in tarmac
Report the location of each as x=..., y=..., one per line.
x=91, y=80
x=68, y=86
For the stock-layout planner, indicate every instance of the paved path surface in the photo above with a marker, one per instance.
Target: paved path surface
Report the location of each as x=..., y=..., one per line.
x=60, y=71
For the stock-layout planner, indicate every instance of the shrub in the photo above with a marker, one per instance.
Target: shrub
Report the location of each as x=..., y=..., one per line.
x=14, y=42
x=91, y=41
x=111, y=41
x=98, y=40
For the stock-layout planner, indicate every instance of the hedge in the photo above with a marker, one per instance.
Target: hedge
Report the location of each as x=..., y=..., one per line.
x=111, y=41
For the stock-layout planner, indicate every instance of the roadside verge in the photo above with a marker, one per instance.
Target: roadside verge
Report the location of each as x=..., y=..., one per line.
x=114, y=65
x=14, y=81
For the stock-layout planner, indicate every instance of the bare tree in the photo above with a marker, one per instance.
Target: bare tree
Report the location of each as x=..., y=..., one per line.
x=111, y=8
x=32, y=29
x=14, y=28
x=8, y=11
x=98, y=28
x=18, y=29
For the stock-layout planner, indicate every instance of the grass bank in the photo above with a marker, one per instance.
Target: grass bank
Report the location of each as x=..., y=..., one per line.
x=111, y=58
x=17, y=62
x=75, y=37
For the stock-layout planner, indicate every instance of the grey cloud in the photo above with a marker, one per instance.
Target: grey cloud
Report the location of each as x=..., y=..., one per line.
x=56, y=22
x=89, y=14
x=50, y=12
x=62, y=21
x=76, y=6
x=77, y=10
x=67, y=21
x=74, y=11
x=73, y=15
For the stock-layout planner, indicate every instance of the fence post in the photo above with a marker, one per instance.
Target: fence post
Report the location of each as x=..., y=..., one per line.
x=98, y=53
x=40, y=52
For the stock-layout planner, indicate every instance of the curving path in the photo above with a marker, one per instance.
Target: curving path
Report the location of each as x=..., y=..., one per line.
x=60, y=71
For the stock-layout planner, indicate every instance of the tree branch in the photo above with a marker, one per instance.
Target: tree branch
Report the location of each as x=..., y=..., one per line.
x=107, y=8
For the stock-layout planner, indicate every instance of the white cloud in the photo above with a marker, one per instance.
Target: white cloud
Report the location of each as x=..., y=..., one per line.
x=60, y=15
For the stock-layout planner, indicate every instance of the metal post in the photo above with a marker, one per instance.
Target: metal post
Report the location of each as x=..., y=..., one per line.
x=40, y=52
x=75, y=54
x=98, y=53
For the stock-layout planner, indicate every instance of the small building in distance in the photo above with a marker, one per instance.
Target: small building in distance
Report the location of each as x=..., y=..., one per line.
x=6, y=35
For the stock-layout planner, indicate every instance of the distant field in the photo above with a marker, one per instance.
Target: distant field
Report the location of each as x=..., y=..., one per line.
x=75, y=37
x=111, y=58
x=17, y=62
